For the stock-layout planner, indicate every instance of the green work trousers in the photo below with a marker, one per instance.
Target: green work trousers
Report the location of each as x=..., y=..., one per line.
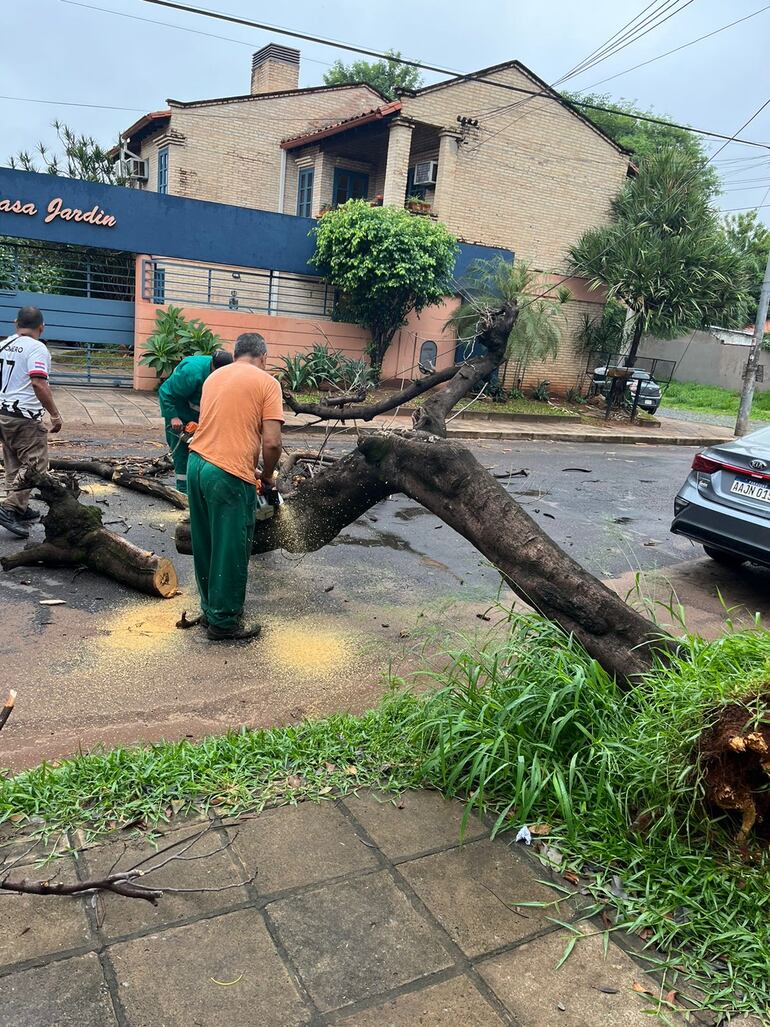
x=179, y=455
x=222, y=509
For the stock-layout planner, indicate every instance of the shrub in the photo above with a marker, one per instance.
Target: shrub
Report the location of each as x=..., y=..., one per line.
x=174, y=339
x=542, y=392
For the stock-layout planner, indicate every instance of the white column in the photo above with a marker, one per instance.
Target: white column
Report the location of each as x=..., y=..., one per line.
x=397, y=166
x=449, y=141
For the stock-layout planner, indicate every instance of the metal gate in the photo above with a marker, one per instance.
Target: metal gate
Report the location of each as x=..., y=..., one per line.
x=87, y=299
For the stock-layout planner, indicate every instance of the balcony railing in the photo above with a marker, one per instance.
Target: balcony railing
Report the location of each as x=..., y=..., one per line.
x=255, y=292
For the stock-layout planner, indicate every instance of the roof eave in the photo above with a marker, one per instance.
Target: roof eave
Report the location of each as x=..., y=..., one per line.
x=307, y=138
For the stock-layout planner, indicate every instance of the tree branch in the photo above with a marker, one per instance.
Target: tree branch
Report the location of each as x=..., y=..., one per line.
x=128, y=882
x=327, y=411
x=7, y=708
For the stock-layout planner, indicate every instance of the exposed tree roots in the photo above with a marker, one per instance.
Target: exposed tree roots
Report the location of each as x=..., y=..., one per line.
x=735, y=760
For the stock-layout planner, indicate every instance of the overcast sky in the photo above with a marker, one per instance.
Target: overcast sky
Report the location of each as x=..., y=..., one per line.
x=69, y=53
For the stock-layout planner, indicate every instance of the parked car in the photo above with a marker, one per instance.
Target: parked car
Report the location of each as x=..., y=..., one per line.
x=649, y=390
x=725, y=502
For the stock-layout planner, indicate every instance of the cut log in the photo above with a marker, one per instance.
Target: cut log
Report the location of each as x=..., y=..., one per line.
x=74, y=536
x=139, y=476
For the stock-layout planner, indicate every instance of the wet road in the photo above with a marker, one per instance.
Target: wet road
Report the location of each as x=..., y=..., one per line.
x=393, y=589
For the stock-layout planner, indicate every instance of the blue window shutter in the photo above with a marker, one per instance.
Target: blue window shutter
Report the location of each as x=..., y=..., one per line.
x=163, y=170
x=349, y=185
x=305, y=193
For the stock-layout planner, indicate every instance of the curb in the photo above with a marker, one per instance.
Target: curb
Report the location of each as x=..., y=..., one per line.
x=530, y=436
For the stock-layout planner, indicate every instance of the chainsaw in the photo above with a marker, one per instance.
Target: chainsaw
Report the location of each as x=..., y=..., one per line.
x=268, y=499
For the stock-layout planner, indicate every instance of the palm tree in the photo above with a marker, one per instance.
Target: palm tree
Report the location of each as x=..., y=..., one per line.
x=537, y=333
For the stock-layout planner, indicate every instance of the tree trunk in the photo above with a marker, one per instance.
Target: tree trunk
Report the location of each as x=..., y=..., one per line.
x=636, y=339
x=447, y=480
x=135, y=477
x=74, y=536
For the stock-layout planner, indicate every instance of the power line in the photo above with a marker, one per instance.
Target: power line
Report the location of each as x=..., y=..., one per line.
x=630, y=37
x=593, y=53
x=474, y=77
x=181, y=28
x=676, y=49
x=679, y=188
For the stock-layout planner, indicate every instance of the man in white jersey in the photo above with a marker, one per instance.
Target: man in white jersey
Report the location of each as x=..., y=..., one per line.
x=24, y=396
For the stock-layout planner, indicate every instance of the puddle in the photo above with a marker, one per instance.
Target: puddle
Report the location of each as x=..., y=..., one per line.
x=537, y=493
x=380, y=540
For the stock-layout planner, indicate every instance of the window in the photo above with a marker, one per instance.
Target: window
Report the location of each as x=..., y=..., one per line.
x=349, y=185
x=163, y=170
x=305, y=193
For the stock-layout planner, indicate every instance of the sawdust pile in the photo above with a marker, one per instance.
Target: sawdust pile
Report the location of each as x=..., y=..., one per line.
x=308, y=649
x=142, y=627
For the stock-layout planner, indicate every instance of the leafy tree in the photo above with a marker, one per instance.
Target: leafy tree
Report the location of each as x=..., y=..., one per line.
x=536, y=334
x=384, y=76
x=386, y=263
x=751, y=239
x=81, y=157
x=665, y=254
x=643, y=138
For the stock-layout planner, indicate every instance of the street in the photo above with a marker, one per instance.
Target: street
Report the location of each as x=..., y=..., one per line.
x=388, y=595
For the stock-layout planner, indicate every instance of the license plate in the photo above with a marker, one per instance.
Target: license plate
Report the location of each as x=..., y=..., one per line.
x=751, y=490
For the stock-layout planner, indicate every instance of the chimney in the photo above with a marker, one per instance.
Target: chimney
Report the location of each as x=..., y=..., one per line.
x=274, y=68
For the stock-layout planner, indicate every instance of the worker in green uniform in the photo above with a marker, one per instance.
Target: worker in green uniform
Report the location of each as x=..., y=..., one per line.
x=180, y=398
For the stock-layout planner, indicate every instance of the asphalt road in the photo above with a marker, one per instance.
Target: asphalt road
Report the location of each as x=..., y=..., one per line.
x=389, y=595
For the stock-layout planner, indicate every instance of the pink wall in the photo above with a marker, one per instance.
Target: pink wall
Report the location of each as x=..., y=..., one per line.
x=288, y=335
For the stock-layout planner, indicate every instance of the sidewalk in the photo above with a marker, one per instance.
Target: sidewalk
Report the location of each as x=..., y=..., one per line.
x=123, y=407
x=365, y=912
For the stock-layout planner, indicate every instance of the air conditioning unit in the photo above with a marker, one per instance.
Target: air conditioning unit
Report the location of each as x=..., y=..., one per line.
x=425, y=172
x=136, y=169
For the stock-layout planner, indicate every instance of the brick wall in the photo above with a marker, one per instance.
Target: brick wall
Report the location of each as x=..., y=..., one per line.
x=533, y=179
x=230, y=152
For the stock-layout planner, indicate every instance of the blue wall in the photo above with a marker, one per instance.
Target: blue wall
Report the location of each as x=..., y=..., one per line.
x=169, y=226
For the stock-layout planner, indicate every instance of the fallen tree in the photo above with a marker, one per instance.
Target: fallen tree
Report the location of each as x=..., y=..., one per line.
x=445, y=478
x=74, y=536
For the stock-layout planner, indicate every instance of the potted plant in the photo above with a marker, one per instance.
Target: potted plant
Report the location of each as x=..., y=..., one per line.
x=324, y=209
x=377, y=201
x=417, y=205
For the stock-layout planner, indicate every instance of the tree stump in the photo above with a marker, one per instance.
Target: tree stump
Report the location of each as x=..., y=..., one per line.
x=74, y=536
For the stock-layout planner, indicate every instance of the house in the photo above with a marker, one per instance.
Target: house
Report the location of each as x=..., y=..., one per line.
x=497, y=165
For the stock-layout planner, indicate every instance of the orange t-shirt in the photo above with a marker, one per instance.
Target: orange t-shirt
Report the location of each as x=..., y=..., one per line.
x=236, y=399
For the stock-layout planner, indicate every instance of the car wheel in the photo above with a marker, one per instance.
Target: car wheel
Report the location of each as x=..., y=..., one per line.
x=723, y=557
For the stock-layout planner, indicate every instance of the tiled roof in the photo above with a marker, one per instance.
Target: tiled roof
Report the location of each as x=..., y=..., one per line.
x=364, y=118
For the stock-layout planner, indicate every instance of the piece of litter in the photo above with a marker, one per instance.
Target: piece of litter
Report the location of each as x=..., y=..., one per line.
x=523, y=835
x=561, y=1007
x=53, y=602
x=226, y=984
x=328, y=588
x=607, y=991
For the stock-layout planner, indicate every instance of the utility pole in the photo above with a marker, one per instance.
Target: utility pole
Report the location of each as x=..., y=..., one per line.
x=750, y=375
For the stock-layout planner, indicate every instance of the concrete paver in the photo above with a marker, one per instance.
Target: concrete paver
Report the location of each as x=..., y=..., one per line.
x=322, y=842
x=474, y=891
x=34, y=925
x=414, y=823
x=356, y=939
x=456, y=1002
x=68, y=993
x=221, y=971
x=529, y=984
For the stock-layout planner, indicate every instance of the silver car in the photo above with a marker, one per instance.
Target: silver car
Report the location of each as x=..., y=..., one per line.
x=725, y=502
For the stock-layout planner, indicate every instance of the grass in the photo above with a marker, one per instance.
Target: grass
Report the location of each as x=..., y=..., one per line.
x=511, y=406
x=528, y=729
x=239, y=771
x=711, y=399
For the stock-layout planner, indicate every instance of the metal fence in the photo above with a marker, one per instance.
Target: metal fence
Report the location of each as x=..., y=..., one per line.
x=66, y=271
x=255, y=292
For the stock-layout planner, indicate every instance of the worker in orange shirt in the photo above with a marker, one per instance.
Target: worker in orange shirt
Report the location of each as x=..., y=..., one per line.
x=240, y=419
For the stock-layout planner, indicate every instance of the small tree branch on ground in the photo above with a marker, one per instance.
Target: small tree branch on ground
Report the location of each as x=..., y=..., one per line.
x=131, y=882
